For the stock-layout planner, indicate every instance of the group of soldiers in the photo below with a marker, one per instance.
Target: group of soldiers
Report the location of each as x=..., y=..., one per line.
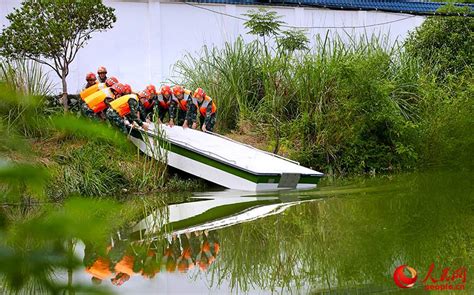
x=106, y=98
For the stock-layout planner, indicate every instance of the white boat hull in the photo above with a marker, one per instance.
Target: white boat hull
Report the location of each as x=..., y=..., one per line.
x=224, y=171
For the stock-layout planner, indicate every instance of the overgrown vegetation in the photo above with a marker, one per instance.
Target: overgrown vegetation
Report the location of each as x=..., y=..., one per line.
x=348, y=107
x=80, y=157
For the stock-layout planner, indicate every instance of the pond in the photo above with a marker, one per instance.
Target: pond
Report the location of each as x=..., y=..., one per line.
x=345, y=237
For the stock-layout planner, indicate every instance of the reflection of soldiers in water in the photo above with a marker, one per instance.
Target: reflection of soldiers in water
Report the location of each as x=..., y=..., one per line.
x=209, y=249
x=171, y=254
x=97, y=263
x=185, y=260
x=123, y=258
x=198, y=248
x=114, y=259
x=151, y=262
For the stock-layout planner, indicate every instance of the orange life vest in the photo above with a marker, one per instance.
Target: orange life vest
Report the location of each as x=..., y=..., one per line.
x=164, y=104
x=121, y=106
x=148, y=105
x=183, y=103
x=100, y=268
x=94, y=88
x=95, y=101
x=205, y=102
x=125, y=265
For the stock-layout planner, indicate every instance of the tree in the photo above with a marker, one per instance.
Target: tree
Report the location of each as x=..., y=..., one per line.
x=263, y=23
x=292, y=40
x=444, y=44
x=51, y=32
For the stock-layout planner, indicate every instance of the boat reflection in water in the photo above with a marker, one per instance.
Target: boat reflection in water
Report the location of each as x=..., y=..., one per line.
x=179, y=237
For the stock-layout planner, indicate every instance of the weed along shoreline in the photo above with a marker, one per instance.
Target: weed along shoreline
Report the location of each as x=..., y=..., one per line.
x=88, y=168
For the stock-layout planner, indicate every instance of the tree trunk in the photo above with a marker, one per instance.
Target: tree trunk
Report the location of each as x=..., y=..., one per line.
x=64, y=95
x=70, y=254
x=277, y=141
x=277, y=137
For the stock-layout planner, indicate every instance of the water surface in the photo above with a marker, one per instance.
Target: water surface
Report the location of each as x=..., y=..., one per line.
x=344, y=237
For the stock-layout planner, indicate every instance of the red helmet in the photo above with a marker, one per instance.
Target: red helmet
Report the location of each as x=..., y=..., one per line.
x=118, y=88
x=127, y=89
x=101, y=69
x=199, y=93
x=91, y=77
x=151, y=89
x=166, y=90
x=143, y=94
x=177, y=89
x=111, y=81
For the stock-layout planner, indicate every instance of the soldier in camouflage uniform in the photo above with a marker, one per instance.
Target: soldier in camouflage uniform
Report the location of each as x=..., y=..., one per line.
x=146, y=106
x=100, y=114
x=117, y=118
x=179, y=104
x=205, y=106
x=163, y=102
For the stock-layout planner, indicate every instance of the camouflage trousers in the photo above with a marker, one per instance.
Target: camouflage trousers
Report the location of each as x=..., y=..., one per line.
x=87, y=111
x=179, y=119
x=115, y=119
x=210, y=124
x=162, y=113
x=146, y=114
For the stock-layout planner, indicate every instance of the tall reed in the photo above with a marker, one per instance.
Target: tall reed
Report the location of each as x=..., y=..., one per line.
x=230, y=75
x=26, y=77
x=30, y=80
x=342, y=106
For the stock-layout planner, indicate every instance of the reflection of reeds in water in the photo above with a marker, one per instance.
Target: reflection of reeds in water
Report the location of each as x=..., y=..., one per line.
x=352, y=241
x=155, y=159
x=155, y=223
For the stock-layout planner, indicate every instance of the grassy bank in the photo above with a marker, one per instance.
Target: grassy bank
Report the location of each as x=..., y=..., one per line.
x=94, y=168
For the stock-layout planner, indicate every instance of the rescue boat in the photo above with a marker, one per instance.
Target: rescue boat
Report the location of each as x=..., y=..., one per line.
x=222, y=160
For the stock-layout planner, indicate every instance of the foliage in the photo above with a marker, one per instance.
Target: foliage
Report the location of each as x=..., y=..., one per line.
x=41, y=242
x=175, y=183
x=445, y=45
x=328, y=106
x=446, y=140
x=53, y=31
x=262, y=22
x=26, y=77
x=293, y=40
x=215, y=68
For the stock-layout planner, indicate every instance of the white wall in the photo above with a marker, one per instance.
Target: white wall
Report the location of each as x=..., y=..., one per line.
x=149, y=37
